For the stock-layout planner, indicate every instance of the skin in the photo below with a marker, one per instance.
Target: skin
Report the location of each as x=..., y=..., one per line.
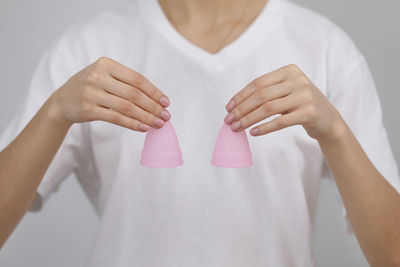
x=105, y=90
x=372, y=204
x=206, y=23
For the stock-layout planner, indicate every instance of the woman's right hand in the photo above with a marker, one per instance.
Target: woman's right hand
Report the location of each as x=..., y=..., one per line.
x=111, y=92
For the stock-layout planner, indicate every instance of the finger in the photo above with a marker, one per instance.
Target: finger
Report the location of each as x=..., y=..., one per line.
x=117, y=118
x=266, y=80
x=277, y=106
x=133, y=78
x=136, y=96
x=278, y=123
x=259, y=98
x=127, y=108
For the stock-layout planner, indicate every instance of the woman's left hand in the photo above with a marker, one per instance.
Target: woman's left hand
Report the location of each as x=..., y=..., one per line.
x=289, y=92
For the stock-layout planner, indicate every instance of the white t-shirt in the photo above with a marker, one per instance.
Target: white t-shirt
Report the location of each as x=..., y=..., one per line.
x=198, y=214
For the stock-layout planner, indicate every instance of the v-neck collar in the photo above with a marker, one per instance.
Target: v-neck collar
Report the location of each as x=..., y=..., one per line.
x=255, y=33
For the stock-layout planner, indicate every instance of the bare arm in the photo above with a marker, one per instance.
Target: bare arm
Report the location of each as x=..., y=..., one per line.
x=373, y=205
x=105, y=90
x=23, y=164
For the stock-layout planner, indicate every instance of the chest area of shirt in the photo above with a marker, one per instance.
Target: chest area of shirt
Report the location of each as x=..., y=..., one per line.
x=198, y=97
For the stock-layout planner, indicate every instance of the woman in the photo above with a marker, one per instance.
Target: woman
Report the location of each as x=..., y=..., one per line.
x=291, y=77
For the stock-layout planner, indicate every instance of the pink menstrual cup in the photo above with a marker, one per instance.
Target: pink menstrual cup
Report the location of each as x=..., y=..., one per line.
x=161, y=148
x=231, y=149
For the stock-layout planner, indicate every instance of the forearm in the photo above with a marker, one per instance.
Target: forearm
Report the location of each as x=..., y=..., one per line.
x=23, y=164
x=372, y=204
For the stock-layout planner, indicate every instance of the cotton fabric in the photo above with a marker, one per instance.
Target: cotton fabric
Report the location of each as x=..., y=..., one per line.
x=198, y=214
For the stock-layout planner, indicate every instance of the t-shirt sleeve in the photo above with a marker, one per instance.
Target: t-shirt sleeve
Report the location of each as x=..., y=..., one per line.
x=56, y=66
x=351, y=89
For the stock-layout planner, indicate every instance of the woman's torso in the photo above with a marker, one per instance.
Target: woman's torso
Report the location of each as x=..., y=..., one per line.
x=198, y=214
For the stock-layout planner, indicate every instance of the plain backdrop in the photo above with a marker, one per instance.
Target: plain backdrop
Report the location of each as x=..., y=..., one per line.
x=61, y=234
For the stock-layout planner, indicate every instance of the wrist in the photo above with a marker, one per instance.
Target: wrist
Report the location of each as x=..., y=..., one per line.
x=337, y=134
x=54, y=114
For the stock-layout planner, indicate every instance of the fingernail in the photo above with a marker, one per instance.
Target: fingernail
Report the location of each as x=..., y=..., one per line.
x=229, y=118
x=254, y=131
x=230, y=106
x=164, y=101
x=159, y=122
x=165, y=115
x=144, y=127
x=236, y=125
